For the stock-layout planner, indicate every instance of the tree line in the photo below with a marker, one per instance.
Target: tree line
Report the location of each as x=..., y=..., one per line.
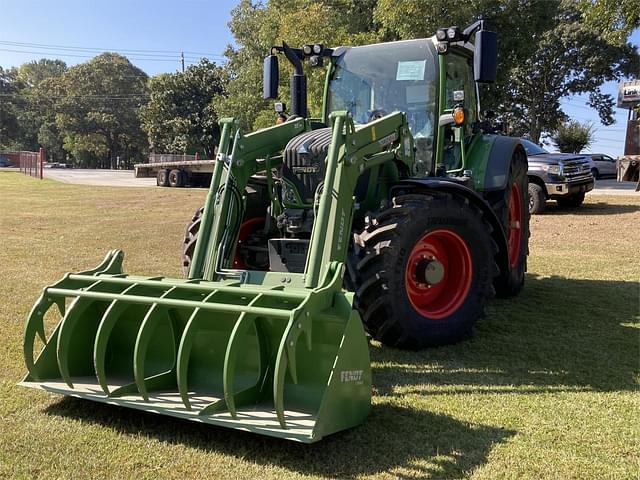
x=105, y=109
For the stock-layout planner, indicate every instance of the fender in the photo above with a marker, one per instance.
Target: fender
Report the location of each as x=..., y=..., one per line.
x=444, y=185
x=489, y=159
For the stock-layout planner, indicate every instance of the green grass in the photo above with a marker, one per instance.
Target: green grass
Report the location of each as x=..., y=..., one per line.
x=547, y=388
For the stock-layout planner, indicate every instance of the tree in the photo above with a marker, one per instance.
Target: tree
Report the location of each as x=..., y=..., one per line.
x=34, y=72
x=97, y=111
x=547, y=49
x=9, y=125
x=37, y=80
x=615, y=18
x=256, y=27
x=573, y=136
x=180, y=115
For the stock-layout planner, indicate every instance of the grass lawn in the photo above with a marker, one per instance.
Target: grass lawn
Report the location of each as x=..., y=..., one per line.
x=547, y=388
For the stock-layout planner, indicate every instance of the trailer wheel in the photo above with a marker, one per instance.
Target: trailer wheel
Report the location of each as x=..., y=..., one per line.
x=162, y=178
x=423, y=270
x=513, y=211
x=176, y=178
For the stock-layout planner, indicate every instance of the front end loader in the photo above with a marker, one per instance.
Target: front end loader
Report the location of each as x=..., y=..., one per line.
x=394, y=214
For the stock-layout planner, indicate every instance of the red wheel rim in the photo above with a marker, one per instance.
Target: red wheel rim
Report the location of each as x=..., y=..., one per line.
x=515, y=225
x=441, y=298
x=247, y=227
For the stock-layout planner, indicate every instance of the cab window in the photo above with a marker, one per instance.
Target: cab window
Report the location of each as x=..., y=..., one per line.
x=460, y=78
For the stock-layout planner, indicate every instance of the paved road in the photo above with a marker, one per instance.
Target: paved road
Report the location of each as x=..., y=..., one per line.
x=613, y=187
x=108, y=178
x=125, y=178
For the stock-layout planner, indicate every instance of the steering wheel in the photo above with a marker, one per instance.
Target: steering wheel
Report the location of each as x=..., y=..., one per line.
x=376, y=114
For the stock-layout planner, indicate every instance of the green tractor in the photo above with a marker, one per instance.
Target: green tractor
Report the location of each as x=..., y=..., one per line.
x=395, y=211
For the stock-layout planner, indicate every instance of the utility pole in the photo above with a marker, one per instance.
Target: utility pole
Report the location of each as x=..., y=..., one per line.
x=182, y=60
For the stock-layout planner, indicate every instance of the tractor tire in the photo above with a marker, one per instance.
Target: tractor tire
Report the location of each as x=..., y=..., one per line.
x=537, y=199
x=513, y=212
x=571, y=201
x=162, y=178
x=190, y=238
x=177, y=178
x=423, y=270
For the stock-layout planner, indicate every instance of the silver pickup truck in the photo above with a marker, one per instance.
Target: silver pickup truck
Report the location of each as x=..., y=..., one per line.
x=562, y=177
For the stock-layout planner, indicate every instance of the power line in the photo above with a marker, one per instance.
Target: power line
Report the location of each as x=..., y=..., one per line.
x=89, y=49
x=57, y=54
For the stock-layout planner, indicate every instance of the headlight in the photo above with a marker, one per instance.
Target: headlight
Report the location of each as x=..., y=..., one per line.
x=554, y=169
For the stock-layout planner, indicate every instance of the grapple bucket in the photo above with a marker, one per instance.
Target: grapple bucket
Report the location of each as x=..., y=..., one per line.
x=279, y=359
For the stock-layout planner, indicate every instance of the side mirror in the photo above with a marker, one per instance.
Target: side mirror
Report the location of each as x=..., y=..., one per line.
x=270, y=78
x=485, y=62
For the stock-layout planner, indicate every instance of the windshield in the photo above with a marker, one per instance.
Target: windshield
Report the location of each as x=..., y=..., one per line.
x=532, y=148
x=376, y=80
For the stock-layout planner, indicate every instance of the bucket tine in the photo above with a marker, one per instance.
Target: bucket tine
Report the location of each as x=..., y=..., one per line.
x=143, y=339
x=250, y=394
x=35, y=326
x=151, y=319
x=73, y=318
x=109, y=320
x=184, y=351
x=233, y=348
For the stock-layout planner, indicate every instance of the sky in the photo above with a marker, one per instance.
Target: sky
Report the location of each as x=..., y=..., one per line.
x=152, y=33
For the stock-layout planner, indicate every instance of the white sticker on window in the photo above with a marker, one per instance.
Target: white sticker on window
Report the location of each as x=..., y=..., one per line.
x=413, y=70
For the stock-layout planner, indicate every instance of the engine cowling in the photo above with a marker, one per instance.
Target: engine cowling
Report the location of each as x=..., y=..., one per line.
x=304, y=161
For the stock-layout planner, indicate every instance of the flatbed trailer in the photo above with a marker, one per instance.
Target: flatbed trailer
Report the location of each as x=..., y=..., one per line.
x=176, y=170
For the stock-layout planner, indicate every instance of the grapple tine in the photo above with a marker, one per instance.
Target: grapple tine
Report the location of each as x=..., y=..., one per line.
x=278, y=381
x=70, y=320
x=145, y=333
x=33, y=327
x=107, y=323
x=184, y=351
x=233, y=348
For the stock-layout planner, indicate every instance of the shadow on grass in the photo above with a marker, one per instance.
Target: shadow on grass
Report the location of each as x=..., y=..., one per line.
x=599, y=208
x=422, y=444
x=559, y=334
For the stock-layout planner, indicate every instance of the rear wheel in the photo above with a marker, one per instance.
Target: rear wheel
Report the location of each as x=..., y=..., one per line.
x=162, y=178
x=513, y=212
x=571, y=201
x=537, y=199
x=423, y=270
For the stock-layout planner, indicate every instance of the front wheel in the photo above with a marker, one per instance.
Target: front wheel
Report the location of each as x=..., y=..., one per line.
x=537, y=199
x=423, y=270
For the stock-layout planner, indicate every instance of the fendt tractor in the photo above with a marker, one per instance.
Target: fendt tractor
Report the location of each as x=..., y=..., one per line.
x=397, y=211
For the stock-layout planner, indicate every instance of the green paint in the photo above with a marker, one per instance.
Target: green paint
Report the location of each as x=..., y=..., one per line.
x=281, y=354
